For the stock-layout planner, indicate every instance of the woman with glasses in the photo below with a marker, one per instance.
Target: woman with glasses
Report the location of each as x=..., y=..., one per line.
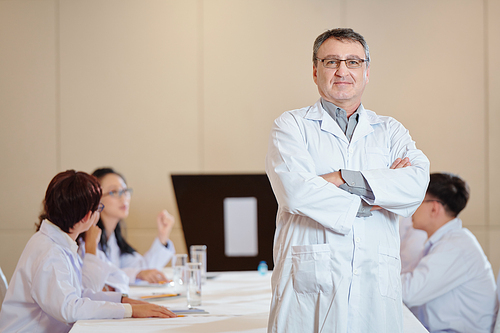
x=116, y=199
x=45, y=293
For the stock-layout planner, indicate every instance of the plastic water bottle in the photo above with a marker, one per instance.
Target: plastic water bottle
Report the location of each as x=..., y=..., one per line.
x=262, y=268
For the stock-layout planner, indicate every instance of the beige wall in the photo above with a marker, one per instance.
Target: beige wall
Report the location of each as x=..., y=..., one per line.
x=154, y=87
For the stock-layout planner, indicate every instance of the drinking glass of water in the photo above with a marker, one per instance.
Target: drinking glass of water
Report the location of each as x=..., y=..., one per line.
x=179, y=280
x=198, y=253
x=194, y=284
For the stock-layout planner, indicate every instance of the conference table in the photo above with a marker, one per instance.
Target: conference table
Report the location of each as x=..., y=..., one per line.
x=235, y=302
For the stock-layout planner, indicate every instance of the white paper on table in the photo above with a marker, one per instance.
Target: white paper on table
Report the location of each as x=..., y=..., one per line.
x=240, y=227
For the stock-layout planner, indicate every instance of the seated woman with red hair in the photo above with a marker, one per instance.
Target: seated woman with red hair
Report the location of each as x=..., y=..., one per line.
x=46, y=293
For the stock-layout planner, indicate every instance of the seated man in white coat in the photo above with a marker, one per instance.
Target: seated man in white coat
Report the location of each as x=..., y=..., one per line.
x=452, y=288
x=45, y=293
x=412, y=244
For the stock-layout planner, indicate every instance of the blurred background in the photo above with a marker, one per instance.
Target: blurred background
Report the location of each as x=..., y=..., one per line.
x=155, y=87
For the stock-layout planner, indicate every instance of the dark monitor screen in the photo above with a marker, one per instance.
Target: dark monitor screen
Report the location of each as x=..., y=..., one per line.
x=234, y=215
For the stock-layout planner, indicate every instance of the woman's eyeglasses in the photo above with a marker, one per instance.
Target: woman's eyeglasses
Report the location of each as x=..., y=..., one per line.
x=119, y=193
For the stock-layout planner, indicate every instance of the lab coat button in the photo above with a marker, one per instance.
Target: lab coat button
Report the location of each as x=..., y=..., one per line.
x=358, y=239
x=355, y=272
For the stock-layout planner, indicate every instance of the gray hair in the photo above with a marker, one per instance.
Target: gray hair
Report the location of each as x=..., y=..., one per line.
x=341, y=34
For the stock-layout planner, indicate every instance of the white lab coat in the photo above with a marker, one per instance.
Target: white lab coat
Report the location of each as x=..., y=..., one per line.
x=335, y=272
x=45, y=293
x=100, y=272
x=131, y=264
x=452, y=288
x=412, y=244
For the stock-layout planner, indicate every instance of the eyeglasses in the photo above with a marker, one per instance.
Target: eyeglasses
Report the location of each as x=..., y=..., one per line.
x=442, y=203
x=350, y=63
x=100, y=207
x=119, y=193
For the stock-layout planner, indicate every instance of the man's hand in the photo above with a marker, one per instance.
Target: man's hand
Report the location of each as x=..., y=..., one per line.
x=401, y=163
x=334, y=177
x=151, y=310
x=92, y=237
x=152, y=276
x=165, y=222
x=108, y=288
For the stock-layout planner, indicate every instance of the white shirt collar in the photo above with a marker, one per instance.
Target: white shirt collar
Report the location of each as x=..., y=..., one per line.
x=451, y=225
x=61, y=237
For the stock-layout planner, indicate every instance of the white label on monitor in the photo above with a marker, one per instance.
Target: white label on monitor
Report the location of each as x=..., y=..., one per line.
x=240, y=227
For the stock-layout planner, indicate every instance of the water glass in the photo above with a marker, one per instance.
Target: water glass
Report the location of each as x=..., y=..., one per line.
x=179, y=280
x=194, y=284
x=198, y=253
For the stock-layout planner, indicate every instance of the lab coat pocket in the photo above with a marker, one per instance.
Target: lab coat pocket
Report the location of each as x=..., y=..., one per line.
x=389, y=272
x=312, y=269
x=377, y=157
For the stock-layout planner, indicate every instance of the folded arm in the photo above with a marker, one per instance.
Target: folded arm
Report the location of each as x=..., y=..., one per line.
x=354, y=183
x=297, y=186
x=299, y=189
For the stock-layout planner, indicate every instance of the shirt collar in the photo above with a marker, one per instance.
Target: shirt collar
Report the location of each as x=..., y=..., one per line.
x=334, y=111
x=58, y=236
x=452, y=225
x=317, y=112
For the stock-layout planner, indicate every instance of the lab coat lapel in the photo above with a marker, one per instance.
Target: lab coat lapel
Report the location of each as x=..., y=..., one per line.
x=327, y=124
x=364, y=126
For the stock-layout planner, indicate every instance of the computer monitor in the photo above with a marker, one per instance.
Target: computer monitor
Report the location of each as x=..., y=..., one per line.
x=234, y=215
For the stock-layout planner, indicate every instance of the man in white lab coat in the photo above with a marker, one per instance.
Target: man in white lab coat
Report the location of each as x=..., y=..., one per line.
x=341, y=174
x=452, y=287
x=412, y=244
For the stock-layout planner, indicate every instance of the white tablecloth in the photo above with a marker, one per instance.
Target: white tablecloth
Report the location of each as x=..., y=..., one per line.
x=236, y=302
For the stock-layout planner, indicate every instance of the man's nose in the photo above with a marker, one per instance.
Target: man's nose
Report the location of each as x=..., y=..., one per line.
x=342, y=70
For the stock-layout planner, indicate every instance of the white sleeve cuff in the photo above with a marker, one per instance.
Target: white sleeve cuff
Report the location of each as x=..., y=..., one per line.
x=128, y=310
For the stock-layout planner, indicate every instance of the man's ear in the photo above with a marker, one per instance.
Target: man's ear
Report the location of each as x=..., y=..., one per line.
x=80, y=224
x=86, y=217
x=436, y=208
x=315, y=74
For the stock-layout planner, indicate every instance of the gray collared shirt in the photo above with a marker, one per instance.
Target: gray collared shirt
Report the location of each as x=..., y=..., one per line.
x=347, y=125
x=355, y=183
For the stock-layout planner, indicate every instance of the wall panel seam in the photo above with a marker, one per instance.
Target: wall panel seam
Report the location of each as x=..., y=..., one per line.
x=201, y=85
x=57, y=53
x=486, y=119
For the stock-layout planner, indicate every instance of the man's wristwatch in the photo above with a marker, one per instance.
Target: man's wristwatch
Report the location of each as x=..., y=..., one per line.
x=123, y=295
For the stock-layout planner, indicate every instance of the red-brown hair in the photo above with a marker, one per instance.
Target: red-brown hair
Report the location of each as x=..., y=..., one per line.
x=69, y=197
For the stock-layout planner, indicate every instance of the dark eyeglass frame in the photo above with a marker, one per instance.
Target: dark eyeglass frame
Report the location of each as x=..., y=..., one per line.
x=430, y=200
x=100, y=207
x=339, y=61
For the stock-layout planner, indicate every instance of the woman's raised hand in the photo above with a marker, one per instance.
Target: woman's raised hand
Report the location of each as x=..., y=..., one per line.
x=165, y=222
